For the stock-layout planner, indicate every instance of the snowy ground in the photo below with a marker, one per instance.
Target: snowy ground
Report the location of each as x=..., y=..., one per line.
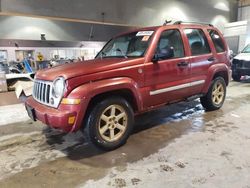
x=12, y=114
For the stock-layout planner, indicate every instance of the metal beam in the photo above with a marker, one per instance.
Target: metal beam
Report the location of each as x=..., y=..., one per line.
x=65, y=19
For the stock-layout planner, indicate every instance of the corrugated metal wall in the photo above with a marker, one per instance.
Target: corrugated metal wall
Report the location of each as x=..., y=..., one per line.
x=129, y=12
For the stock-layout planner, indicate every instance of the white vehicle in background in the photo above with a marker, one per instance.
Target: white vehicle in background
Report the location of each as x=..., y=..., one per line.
x=241, y=64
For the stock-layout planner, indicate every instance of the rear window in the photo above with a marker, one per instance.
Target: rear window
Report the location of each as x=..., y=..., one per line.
x=217, y=40
x=197, y=41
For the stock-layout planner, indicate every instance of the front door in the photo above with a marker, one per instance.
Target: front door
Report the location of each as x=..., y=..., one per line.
x=168, y=79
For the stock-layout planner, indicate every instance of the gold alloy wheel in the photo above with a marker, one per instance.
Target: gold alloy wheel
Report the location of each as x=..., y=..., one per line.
x=113, y=123
x=218, y=93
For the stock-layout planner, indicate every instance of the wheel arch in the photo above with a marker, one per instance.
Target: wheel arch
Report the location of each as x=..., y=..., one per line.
x=125, y=93
x=222, y=74
x=214, y=72
x=93, y=92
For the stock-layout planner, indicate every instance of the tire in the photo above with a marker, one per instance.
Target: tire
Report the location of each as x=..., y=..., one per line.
x=216, y=95
x=105, y=128
x=236, y=77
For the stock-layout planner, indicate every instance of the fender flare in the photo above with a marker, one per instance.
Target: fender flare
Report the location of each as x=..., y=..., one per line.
x=212, y=71
x=89, y=90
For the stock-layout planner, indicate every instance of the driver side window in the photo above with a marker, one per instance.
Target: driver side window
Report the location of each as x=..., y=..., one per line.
x=171, y=40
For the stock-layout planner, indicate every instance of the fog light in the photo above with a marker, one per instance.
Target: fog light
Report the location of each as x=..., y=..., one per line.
x=71, y=120
x=51, y=101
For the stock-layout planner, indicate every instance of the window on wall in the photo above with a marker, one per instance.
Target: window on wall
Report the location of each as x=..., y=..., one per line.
x=217, y=40
x=197, y=41
x=171, y=39
x=22, y=54
x=88, y=53
x=3, y=55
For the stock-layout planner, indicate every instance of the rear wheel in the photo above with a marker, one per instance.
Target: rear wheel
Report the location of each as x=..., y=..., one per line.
x=215, y=97
x=110, y=123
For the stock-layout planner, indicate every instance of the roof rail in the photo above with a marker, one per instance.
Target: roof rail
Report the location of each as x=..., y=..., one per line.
x=200, y=23
x=167, y=22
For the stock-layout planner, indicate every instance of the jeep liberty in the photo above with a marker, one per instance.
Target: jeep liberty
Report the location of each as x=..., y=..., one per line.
x=134, y=73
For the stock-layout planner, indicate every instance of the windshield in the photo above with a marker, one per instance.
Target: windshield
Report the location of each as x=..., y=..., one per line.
x=246, y=49
x=130, y=45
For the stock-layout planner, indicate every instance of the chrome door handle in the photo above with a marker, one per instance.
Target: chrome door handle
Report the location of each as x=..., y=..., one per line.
x=211, y=59
x=182, y=64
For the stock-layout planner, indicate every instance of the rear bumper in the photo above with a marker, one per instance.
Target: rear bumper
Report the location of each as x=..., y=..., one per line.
x=58, y=118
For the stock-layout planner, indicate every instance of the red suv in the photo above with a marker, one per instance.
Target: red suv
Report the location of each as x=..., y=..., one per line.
x=134, y=73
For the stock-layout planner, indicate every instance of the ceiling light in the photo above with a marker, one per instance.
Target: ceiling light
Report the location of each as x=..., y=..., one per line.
x=222, y=6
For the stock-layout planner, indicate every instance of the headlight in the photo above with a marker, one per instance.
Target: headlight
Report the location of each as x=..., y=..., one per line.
x=58, y=87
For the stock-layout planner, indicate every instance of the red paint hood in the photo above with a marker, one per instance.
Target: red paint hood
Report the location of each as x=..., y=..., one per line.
x=81, y=68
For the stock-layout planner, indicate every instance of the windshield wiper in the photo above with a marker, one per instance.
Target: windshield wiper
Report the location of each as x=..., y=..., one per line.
x=123, y=54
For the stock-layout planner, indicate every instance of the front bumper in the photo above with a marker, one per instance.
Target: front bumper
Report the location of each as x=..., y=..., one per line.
x=241, y=67
x=57, y=118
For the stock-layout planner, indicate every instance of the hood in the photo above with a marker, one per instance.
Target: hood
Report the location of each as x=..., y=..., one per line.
x=243, y=56
x=81, y=68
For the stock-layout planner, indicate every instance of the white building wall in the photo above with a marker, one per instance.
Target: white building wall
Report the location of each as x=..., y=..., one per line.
x=240, y=29
x=244, y=13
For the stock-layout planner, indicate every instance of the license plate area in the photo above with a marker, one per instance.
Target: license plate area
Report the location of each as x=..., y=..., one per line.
x=31, y=112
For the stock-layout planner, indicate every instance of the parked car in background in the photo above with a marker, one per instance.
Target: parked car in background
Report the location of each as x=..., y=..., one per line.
x=134, y=73
x=241, y=64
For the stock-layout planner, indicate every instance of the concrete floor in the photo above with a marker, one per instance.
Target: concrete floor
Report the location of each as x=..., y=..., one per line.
x=177, y=146
x=9, y=98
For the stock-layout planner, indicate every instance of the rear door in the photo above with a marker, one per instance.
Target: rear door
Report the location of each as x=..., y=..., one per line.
x=201, y=58
x=167, y=80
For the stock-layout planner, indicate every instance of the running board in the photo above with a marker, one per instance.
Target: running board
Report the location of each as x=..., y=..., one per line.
x=194, y=97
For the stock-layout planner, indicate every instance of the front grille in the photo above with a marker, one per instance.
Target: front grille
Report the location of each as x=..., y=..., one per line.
x=239, y=64
x=246, y=64
x=42, y=92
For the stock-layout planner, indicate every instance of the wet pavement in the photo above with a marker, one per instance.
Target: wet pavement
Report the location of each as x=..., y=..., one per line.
x=33, y=155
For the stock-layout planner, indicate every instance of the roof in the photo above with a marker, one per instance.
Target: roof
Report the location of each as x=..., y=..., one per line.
x=196, y=24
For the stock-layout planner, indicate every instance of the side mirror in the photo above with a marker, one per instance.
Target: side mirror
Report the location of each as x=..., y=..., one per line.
x=163, y=54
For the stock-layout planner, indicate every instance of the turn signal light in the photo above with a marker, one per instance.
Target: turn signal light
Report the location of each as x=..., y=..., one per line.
x=71, y=120
x=70, y=101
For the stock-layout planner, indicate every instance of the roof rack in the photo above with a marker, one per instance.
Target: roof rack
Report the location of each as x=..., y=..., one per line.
x=200, y=23
x=167, y=22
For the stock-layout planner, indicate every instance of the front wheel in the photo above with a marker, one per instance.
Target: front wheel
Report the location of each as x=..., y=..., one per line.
x=236, y=77
x=110, y=123
x=216, y=95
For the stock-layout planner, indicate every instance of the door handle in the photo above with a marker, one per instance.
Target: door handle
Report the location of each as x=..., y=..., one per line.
x=182, y=64
x=211, y=59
